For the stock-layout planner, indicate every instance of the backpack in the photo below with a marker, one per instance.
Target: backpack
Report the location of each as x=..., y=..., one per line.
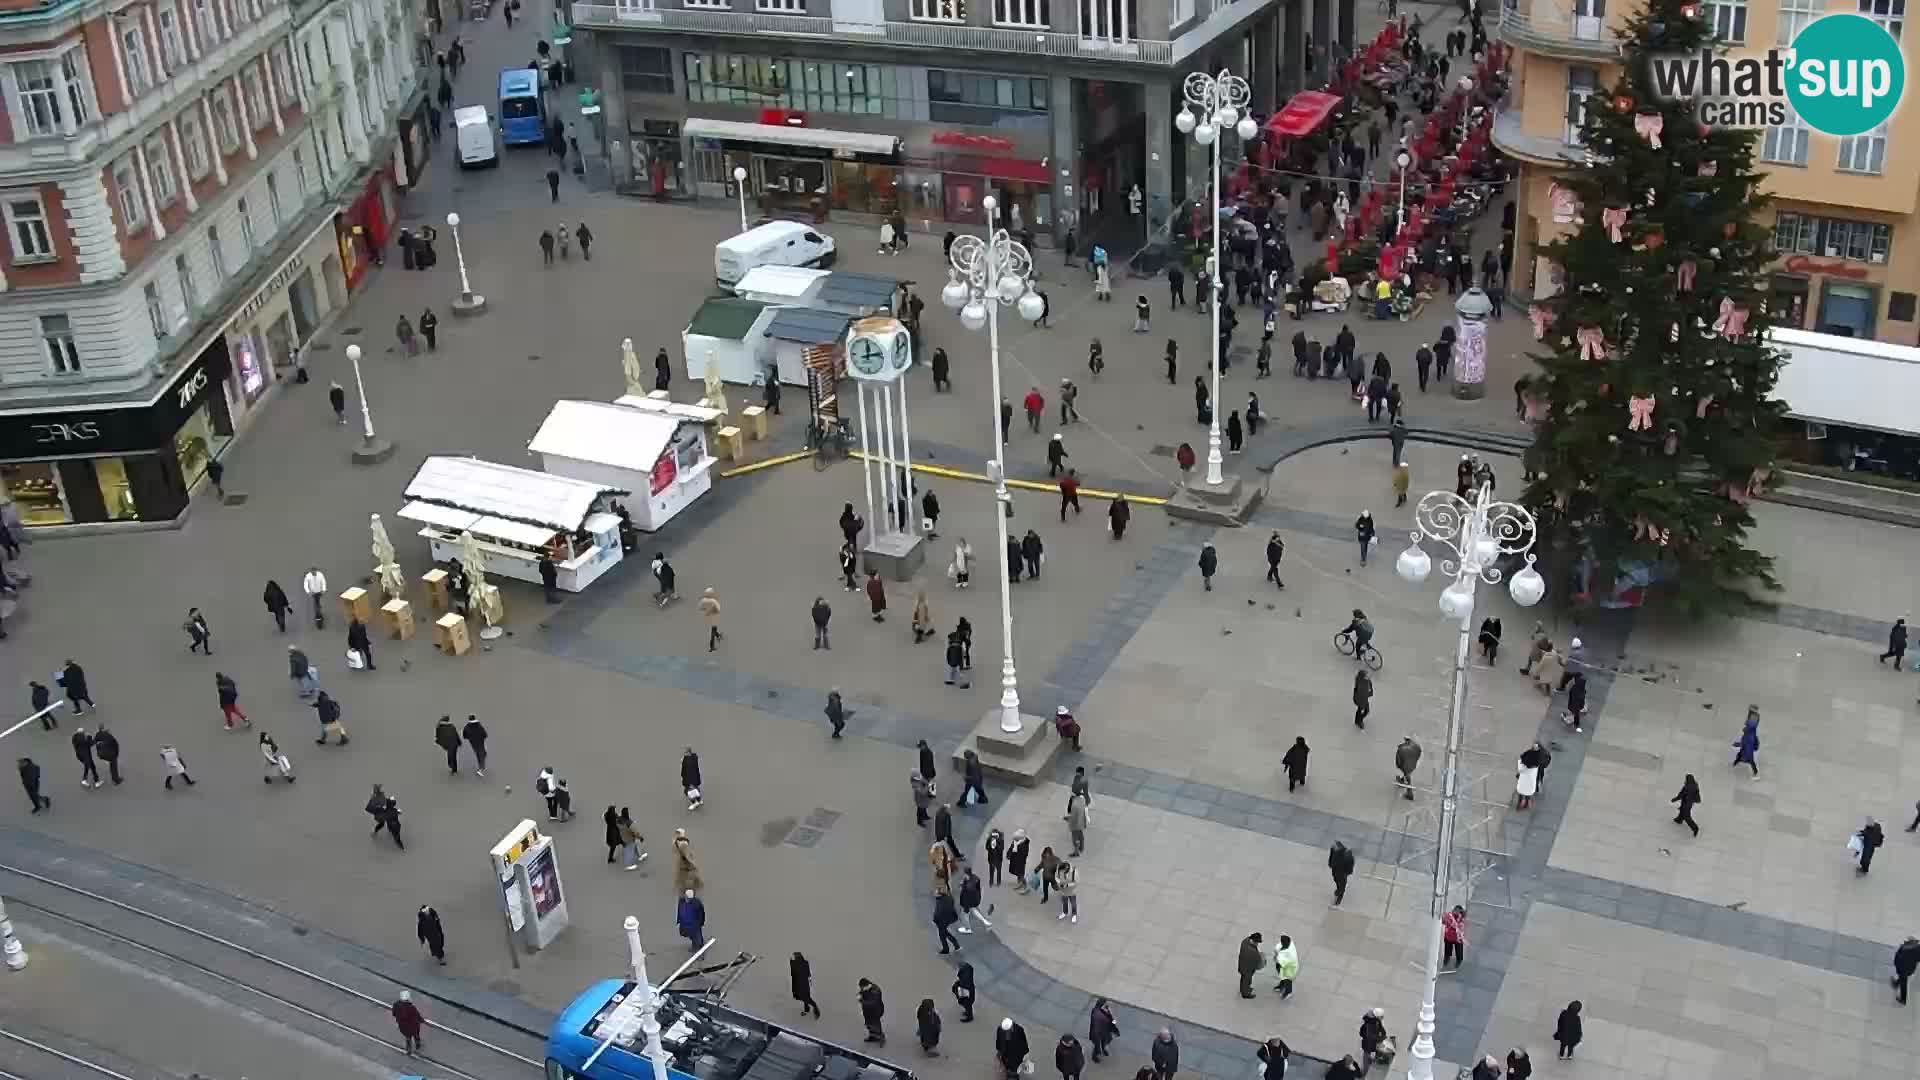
x=543, y=786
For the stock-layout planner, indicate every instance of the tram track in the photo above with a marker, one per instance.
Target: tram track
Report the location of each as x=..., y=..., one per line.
x=38, y=1060
x=348, y=1007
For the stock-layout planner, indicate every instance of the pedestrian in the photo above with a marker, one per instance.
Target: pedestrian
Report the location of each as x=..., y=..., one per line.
x=1076, y=819
x=1295, y=763
x=30, y=780
x=973, y=780
x=662, y=369
x=1406, y=758
x=849, y=562
x=1010, y=1047
x=1747, y=746
x=1165, y=1055
x=1538, y=645
x=583, y=234
x=1864, y=843
x=1490, y=640
x=1202, y=401
x=1068, y=729
x=403, y=333
x=328, y=711
x=1119, y=512
x=690, y=915
x=1142, y=315
x=1056, y=455
x=615, y=841
x=199, y=637
x=1906, y=958
x=1896, y=644
x=1209, y=564
x=945, y=914
x=83, y=750
x=873, y=1010
x=387, y=814
x=943, y=831
x=686, y=872
x=922, y=618
x=1173, y=361
x=475, y=733
x=547, y=786
x=337, y=397
x=1453, y=934
x=1566, y=1030
x=1250, y=962
x=1286, y=966
x=107, y=749
x=41, y=699
x=1577, y=707
x=546, y=238
x=1235, y=433
x=1070, y=493
x=1488, y=1067
x=1184, y=458
x=1036, y=407
x=877, y=595
x=1526, y=778
x=690, y=778
x=956, y=653
x=1340, y=863
x=427, y=928
x=358, y=640
x=549, y=578
x=1068, y=1058
x=1102, y=1028
x=1254, y=416
x=553, y=188
x=1276, y=550
x=969, y=896
x=406, y=1015
x=710, y=611
x=1176, y=286
x=1362, y=698
x=176, y=766
x=1017, y=852
x=276, y=600
x=800, y=978
x=1688, y=798
x=927, y=1027
x=1373, y=1032
x=314, y=584
x=1033, y=553
x=1363, y=530
x=228, y=693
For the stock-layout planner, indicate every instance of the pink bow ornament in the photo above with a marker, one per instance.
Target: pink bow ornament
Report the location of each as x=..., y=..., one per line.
x=1593, y=344
x=1648, y=126
x=1614, y=218
x=1565, y=205
x=1700, y=410
x=1757, y=483
x=1536, y=406
x=1640, y=413
x=1732, y=322
x=1542, y=318
x=1686, y=271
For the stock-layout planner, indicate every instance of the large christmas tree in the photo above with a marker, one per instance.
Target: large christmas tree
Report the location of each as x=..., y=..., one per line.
x=1656, y=420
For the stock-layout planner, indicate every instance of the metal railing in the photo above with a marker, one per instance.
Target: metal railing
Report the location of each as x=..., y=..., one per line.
x=1545, y=28
x=922, y=35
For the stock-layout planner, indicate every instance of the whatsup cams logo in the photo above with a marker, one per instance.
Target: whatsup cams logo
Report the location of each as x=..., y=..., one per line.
x=1843, y=75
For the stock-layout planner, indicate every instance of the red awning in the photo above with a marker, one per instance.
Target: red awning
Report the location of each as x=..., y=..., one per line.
x=997, y=168
x=1306, y=112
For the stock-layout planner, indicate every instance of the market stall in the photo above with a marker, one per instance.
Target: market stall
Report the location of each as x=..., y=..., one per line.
x=732, y=335
x=795, y=332
x=516, y=516
x=634, y=449
x=795, y=286
x=859, y=294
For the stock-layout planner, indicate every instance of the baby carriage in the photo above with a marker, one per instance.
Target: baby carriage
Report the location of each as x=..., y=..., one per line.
x=279, y=765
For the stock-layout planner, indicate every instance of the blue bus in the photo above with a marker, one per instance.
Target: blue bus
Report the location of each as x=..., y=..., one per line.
x=522, y=110
x=704, y=1039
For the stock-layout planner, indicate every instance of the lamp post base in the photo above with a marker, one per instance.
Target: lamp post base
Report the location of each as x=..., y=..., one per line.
x=467, y=305
x=1474, y=391
x=1229, y=502
x=1021, y=758
x=372, y=451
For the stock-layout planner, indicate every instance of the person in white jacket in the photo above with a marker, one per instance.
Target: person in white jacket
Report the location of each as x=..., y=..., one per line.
x=315, y=584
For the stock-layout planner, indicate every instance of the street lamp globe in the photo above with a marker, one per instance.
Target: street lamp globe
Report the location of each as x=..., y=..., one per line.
x=1485, y=551
x=1010, y=287
x=353, y=354
x=956, y=294
x=1246, y=129
x=739, y=174
x=1205, y=134
x=1226, y=117
x=1403, y=159
x=1414, y=564
x=453, y=220
x=1456, y=601
x=974, y=315
x=989, y=204
x=1032, y=307
x=1527, y=586
x=1185, y=121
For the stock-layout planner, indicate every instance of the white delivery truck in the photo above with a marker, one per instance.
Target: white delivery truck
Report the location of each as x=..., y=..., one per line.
x=473, y=137
x=776, y=243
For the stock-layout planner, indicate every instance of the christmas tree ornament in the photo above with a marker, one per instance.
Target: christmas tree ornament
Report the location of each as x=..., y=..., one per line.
x=1672, y=443
x=1704, y=130
x=1640, y=413
x=1757, y=483
x=1541, y=318
x=1685, y=272
x=1713, y=252
x=1593, y=344
x=1653, y=240
x=1622, y=103
x=1732, y=322
x=1730, y=229
x=1653, y=197
x=1700, y=408
x=1613, y=219
x=1648, y=126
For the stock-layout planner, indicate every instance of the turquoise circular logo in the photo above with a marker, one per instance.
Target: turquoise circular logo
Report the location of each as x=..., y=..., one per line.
x=1845, y=75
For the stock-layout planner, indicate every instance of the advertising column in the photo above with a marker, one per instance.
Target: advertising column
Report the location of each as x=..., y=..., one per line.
x=527, y=874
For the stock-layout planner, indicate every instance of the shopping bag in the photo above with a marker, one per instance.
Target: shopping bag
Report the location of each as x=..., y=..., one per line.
x=1855, y=845
x=1033, y=879
x=356, y=660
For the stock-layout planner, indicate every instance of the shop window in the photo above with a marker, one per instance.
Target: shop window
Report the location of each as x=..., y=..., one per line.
x=115, y=492
x=63, y=353
x=968, y=97
x=866, y=189
x=1787, y=301
x=27, y=229
x=1847, y=310
x=646, y=70
x=35, y=490
x=940, y=10
x=1900, y=307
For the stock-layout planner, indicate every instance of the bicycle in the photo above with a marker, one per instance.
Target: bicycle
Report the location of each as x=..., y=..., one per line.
x=829, y=442
x=1370, y=656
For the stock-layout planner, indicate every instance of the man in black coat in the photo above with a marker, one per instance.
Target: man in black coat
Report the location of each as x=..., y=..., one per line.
x=107, y=749
x=549, y=578
x=1166, y=1055
x=940, y=368
x=1905, y=959
x=836, y=712
x=822, y=614
x=1249, y=962
x=873, y=1008
x=426, y=926
x=662, y=370
x=943, y=830
x=73, y=678
x=1010, y=1047
x=358, y=638
x=1896, y=644
x=1340, y=864
x=448, y=739
x=476, y=735
x=30, y=779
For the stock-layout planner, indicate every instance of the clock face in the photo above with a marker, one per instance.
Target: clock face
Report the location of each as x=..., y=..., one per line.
x=867, y=356
x=902, y=352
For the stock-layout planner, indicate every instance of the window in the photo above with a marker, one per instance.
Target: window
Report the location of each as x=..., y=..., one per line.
x=1729, y=19
x=1794, y=17
x=57, y=332
x=721, y=5
x=189, y=292
x=39, y=97
x=160, y=171
x=1182, y=11
x=204, y=26
x=1110, y=21
x=1865, y=153
x=126, y=181
x=1786, y=144
x=940, y=10
x=1034, y=13
x=156, y=311
x=1582, y=84
x=299, y=171
x=246, y=227
x=1795, y=234
x=646, y=70
x=273, y=198
x=173, y=49
x=967, y=97
x=256, y=96
x=782, y=7
x=133, y=43
x=1833, y=238
x=224, y=127
x=1890, y=14
x=217, y=253
x=27, y=229
x=193, y=146
x=284, y=78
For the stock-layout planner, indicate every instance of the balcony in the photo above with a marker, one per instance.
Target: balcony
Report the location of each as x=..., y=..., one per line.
x=1511, y=139
x=1544, y=28
x=915, y=35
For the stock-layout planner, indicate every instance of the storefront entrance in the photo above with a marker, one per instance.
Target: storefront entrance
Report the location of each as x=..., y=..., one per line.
x=1848, y=310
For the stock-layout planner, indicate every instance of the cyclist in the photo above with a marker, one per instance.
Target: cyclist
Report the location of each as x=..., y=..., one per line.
x=1362, y=632
x=663, y=574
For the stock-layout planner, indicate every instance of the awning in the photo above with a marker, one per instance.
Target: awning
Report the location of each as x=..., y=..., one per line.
x=727, y=318
x=445, y=517
x=1304, y=114
x=513, y=532
x=853, y=142
x=997, y=168
x=809, y=326
x=849, y=289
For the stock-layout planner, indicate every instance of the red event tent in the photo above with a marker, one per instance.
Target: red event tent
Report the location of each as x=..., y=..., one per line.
x=1304, y=114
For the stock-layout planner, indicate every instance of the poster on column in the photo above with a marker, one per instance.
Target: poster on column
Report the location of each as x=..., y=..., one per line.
x=1470, y=352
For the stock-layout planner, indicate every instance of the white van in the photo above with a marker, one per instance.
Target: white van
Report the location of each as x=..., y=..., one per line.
x=776, y=243
x=473, y=137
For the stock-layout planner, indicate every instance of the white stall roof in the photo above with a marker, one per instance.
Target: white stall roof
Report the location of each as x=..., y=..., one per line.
x=505, y=491
x=699, y=414
x=777, y=284
x=1852, y=382
x=445, y=517
x=615, y=435
x=513, y=531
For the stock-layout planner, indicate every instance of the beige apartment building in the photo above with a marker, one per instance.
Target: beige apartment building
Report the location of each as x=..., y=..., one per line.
x=1844, y=208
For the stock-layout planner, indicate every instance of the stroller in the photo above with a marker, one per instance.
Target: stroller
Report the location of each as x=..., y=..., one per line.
x=279, y=765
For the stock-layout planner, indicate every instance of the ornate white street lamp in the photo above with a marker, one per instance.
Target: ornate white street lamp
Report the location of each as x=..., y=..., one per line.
x=1476, y=535
x=373, y=449
x=470, y=303
x=1221, y=100
x=986, y=274
x=740, y=187
x=1402, y=159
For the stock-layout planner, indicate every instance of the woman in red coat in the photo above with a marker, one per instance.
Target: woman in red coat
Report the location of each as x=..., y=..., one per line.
x=877, y=594
x=406, y=1016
